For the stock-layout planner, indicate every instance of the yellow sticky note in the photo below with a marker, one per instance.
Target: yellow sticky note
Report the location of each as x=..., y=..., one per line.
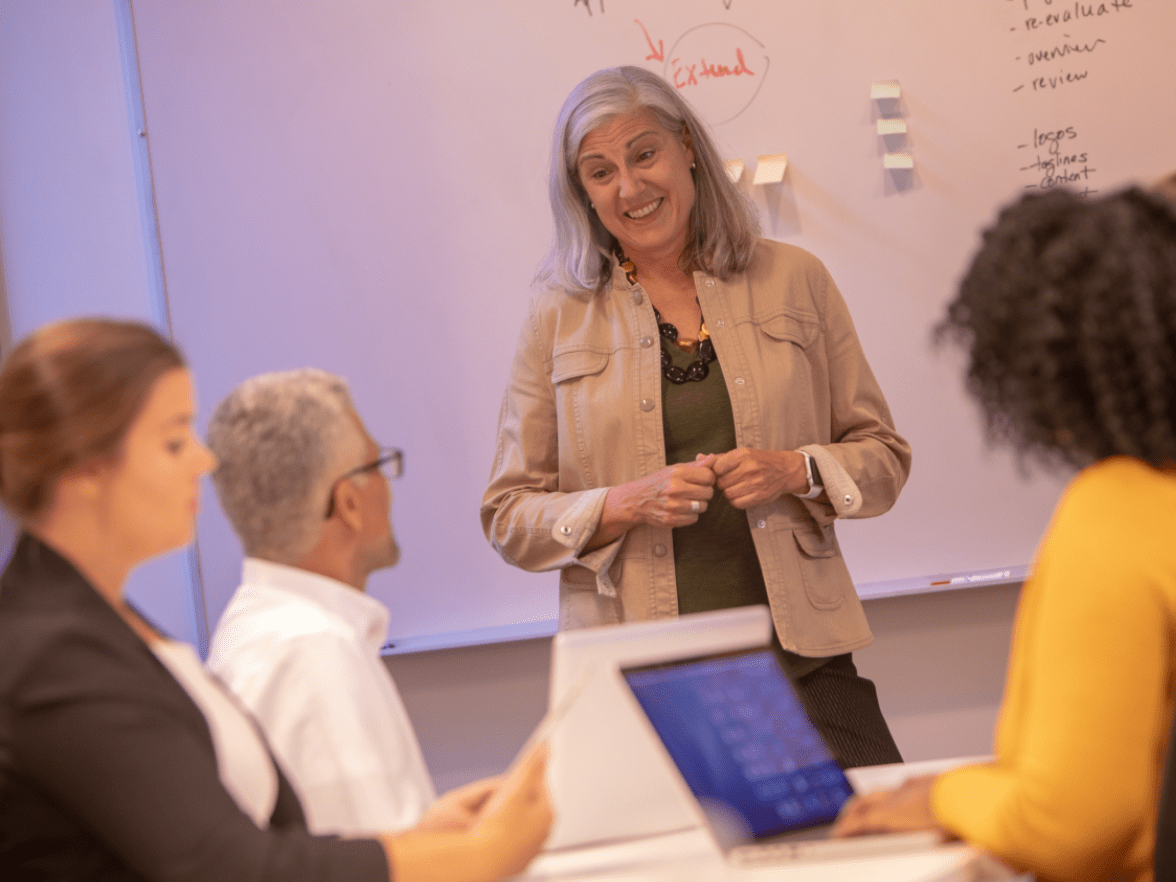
x=771, y=168
x=885, y=89
x=898, y=160
x=734, y=169
x=892, y=127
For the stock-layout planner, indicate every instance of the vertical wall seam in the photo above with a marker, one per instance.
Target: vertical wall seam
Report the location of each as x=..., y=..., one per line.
x=153, y=253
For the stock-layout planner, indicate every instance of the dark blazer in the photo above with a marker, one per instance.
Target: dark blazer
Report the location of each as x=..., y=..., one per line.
x=107, y=768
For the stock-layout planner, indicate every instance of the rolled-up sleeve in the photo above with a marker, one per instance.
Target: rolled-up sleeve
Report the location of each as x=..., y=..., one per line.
x=865, y=462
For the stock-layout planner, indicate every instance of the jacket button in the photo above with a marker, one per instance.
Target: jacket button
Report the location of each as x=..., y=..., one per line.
x=566, y=530
x=659, y=550
x=720, y=324
x=647, y=404
x=710, y=283
x=739, y=381
x=646, y=342
x=638, y=297
x=761, y=524
x=848, y=499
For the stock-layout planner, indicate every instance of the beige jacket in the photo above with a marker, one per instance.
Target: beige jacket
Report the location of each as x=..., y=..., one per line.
x=582, y=413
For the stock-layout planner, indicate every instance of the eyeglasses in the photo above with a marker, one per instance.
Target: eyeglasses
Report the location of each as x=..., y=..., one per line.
x=390, y=461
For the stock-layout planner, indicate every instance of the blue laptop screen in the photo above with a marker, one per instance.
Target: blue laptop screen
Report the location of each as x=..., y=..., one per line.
x=741, y=739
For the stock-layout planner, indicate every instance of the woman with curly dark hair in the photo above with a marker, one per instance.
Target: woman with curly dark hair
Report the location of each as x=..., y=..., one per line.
x=1069, y=312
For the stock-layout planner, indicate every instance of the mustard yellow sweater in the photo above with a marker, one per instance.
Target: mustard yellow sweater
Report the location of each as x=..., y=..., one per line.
x=1083, y=729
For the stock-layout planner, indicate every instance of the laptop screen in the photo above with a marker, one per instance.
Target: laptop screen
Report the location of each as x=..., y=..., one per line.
x=742, y=741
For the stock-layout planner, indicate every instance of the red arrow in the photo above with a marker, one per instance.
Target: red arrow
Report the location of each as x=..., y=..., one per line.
x=655, y=54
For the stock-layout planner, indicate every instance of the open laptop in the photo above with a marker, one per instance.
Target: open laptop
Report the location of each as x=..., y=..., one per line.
x=766, y=782
x=609, y=778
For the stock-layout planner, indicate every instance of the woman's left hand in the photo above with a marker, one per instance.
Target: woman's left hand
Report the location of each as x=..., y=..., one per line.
x=905, y=809
x=750, y=477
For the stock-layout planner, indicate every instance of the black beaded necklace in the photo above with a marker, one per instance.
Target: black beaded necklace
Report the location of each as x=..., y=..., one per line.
x=698, y=369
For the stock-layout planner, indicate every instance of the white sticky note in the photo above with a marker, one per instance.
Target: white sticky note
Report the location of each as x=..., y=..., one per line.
x=885, y=89
x=898, y=160
x=734, y=169
x=771, y=168
x=892, y=127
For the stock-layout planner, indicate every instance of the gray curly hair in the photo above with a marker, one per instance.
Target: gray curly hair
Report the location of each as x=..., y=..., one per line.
x=282, y=440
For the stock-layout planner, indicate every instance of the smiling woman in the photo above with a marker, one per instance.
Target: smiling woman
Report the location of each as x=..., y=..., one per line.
x=689, y=409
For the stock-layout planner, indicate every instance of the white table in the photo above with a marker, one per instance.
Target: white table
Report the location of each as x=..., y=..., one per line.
x=692, y=856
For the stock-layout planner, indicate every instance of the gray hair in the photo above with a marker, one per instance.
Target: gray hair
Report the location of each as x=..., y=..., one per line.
x=283, y=439
x=723, y=222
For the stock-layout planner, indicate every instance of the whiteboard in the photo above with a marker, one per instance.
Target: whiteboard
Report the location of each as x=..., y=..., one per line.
x=360, y=186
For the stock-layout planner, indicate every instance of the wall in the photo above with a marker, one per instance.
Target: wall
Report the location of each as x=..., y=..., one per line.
x=360, y=185
x=72, y=240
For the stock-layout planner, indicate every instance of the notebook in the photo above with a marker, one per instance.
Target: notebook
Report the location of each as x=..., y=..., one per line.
x=609, y=778
x=765, y=781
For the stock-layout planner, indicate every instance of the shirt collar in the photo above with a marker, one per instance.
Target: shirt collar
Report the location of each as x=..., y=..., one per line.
x=366, y=615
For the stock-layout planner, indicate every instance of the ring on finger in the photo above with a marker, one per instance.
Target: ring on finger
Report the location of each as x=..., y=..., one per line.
x=695, y=507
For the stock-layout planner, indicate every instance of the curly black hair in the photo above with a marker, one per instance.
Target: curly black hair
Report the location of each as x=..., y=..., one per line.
x=1069, y=315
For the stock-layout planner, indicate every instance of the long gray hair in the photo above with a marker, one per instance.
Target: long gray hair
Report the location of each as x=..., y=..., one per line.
x=723, y=222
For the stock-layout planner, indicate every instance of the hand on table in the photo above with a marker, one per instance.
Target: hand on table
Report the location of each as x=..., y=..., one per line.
x=508, y=820
x=750, y=477
x=904, y=809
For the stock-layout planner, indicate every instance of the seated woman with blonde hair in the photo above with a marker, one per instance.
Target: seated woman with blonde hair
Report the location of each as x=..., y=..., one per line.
x=1069, y=312
x=120, y=759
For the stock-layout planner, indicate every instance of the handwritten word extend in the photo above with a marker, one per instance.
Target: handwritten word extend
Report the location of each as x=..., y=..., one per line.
x=687, y=74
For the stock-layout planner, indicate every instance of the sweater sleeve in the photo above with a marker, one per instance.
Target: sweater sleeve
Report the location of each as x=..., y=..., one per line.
x=1071, y=794
x=138, y=774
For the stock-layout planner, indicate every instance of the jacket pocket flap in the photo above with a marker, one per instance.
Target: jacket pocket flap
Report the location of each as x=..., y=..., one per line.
x=576, y=363
x=799, y=328
x=815, y=540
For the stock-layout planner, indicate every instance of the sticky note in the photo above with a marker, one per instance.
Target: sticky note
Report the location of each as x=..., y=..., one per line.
x=892, y=127
x=734, y=169
x=771, y=168
x=885, y=89
x=898, y=160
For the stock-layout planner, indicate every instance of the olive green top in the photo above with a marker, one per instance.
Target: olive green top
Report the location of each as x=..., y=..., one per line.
x=714, y=559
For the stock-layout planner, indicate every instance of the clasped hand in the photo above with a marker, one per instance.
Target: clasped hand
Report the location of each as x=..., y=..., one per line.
x=676, y=495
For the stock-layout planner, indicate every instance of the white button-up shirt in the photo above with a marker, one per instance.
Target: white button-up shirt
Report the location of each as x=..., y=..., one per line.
x=302, y=652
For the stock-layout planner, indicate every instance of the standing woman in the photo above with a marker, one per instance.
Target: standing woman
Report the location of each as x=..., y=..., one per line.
x=689, y=409
x=120, y=759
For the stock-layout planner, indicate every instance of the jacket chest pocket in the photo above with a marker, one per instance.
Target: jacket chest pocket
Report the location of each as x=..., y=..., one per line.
x=786, y=362
x=799, y=328
x=576, y=363
x=586, y=405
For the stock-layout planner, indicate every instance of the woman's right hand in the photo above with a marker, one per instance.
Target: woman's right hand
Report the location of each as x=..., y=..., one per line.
x=506, y=833
x=673, y=496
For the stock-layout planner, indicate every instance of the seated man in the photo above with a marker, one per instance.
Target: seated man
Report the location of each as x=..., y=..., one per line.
x=306, y=489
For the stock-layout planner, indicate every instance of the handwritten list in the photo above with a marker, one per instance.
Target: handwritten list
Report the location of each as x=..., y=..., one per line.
x=1061, y=46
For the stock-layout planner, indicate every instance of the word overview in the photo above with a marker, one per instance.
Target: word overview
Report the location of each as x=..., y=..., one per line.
x=1058, y=43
